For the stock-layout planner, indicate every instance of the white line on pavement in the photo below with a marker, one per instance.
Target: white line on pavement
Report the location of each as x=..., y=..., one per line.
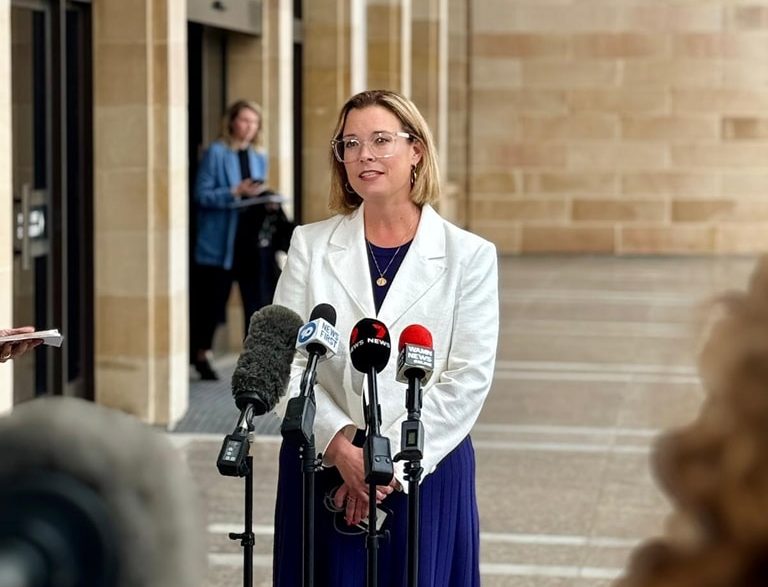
x=560, y=447
x=610, y=377
x=568, y=572
x=495, y=537
x=565, y=430
x=576, y=366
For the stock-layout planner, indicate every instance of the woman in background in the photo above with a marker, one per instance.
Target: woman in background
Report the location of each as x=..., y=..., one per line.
x=234, y=240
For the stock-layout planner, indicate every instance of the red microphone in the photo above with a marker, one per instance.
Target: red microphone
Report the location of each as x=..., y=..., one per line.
x=416, y=358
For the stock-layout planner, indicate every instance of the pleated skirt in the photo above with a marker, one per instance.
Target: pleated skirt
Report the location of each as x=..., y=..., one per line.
x=449, y=538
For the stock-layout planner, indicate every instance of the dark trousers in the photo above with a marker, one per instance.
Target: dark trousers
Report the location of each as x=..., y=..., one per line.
x=210, y=288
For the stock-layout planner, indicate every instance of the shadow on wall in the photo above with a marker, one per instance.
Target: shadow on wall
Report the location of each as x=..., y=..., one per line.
x=715, y=470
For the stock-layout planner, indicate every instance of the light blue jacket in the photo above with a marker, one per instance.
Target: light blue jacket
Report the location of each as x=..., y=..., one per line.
x=218, y=173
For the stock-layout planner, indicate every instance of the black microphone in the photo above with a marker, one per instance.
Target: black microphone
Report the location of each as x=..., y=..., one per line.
x=92, y=496
x=318, y=340
x=369, y=350
x=260, y=379
x=369, y=346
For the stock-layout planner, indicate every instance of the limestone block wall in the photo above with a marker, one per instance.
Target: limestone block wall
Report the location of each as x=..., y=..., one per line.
x=619, y=127
x=456, y=155
x=140, y=207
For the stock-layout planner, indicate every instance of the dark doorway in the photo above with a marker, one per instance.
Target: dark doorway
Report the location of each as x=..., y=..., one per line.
x=52, y=186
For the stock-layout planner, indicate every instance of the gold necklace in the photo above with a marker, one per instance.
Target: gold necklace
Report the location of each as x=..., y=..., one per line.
x=382, y=281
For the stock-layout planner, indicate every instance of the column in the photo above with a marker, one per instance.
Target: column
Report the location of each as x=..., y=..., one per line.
x=332, y=72
x=140, y=207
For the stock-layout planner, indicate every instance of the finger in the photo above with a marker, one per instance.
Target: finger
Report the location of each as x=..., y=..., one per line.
x=20, y=349
x=349, y=513
x=358, y=513
x=22, y=330
x=361, y=513
x=340, y=498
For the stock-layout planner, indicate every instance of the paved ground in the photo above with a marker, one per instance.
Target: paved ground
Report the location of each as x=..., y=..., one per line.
x=212, y=409
x=596, y=356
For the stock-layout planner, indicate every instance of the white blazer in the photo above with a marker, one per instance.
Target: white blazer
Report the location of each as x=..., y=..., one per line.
x=447, y=282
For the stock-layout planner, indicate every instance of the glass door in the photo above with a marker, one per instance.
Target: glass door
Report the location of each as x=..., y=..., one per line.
x=51, y=167
x=31, y=169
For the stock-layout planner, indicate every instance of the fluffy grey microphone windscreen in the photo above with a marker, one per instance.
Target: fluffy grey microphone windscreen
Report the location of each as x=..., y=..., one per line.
x=264, y=367
x=70, y=465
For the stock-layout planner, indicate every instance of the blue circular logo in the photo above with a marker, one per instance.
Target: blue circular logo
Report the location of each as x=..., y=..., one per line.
x=306, y=332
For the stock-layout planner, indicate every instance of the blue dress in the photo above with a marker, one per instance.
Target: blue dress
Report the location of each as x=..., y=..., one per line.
x=449, y=537
x=449, y=529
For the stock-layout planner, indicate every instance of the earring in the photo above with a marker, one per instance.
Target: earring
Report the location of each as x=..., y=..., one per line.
x=348, y=188
x=414, y=175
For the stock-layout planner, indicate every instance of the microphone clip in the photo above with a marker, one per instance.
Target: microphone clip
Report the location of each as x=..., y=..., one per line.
x=378, y=462
x=298, y=423
x=233, y=456
x=411, y=441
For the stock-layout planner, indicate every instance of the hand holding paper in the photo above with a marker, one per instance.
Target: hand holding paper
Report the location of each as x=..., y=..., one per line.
x=16, y=341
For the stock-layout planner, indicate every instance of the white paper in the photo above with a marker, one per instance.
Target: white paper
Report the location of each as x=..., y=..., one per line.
x=270, y=199
x=49, y=337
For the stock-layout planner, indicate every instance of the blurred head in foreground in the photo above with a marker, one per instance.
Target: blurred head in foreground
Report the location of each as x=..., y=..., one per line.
x=91, y=496
x=715, y=470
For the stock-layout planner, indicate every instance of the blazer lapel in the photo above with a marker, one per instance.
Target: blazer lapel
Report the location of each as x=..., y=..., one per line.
x=232, y=167
x=348, y=261
x=422, y=268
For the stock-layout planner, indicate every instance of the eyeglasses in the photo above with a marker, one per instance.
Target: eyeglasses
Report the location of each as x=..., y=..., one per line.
x=381, y=145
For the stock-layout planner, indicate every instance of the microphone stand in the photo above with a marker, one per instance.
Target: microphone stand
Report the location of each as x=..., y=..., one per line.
x=298, y=428
x=378, y=471
x=247, y=538
x=235, y=461
x=412, y=447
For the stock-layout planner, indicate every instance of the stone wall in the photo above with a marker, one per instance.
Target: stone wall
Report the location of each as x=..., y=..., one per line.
x=619, y=127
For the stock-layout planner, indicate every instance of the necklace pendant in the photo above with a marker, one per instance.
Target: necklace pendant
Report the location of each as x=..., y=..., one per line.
x=381, y=281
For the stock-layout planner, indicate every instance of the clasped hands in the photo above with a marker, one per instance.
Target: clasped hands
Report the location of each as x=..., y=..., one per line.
x=352, y=496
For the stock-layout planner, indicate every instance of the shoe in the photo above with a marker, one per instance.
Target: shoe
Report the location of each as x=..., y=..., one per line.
x=206, y=372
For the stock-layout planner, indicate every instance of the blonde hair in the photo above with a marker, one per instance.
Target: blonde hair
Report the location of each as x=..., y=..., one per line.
x=229, y=118
x=426, y=187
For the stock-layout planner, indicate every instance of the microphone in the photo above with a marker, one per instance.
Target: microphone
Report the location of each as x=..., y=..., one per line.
x=318, y=340
x=416, y=358
x=415, y=364
x=369, y=350
x=92, y=496
x=264, y=367
x=260, y=379
x=369, y=346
